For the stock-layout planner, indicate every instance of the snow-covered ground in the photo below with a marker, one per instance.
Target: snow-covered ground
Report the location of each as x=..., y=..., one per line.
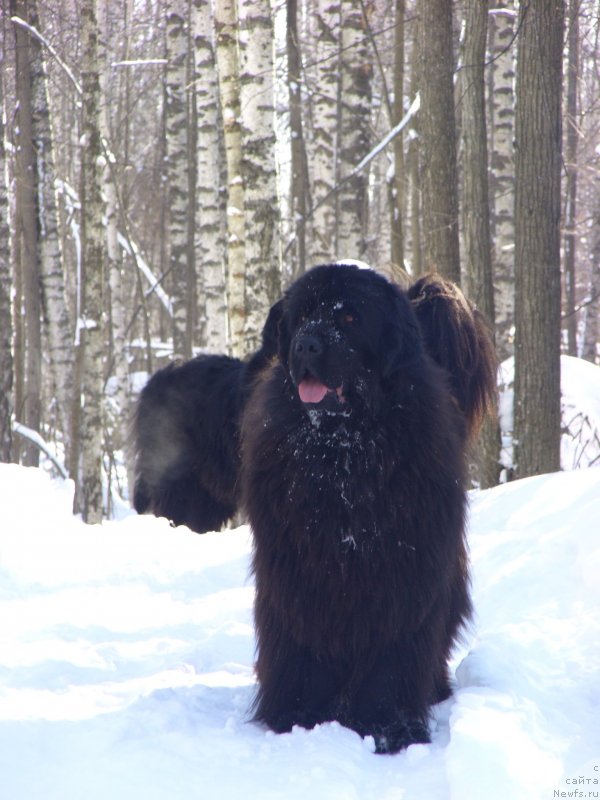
x=126, y=662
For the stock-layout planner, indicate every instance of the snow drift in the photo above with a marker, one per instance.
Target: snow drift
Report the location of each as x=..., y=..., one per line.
x=126, y=661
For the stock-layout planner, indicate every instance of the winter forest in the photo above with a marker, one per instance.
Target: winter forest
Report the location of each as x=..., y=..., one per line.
x=168, y=167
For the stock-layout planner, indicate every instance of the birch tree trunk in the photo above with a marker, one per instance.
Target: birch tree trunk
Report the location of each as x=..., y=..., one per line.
x=116, y=306
x=572, y=135
x=502, y=94
x=259, y=172
x=229, y=90
x=210, y=240
x=416, y=253
x=437, y=128
x=6, y=359
x=322, y=145
x=475, y=204
x=58, y=326
x=299, y=189
x=27, y=231
x=399, y=181
x=176, y=116
x=91, y=322
x=537, y=237
x=591, y=327
x=354, y=131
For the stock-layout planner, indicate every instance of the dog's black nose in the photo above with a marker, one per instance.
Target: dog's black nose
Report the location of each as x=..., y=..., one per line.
x=307, y=345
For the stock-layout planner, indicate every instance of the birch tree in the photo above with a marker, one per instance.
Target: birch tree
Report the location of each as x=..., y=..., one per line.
x=57, y=322
x=354, y=131
x=299, y=186
x=27, y=232
x=6, y=360
x=92, y=315
x=413, y=157
x=229, y=92
x=176, y=122
x=321, y=147
x=210, y=207
x=117, y=311
x=502, y=169
x=397, y=194
x=259, y=172
x=437, y=130
x=571, y=141
x=537, y=237
x=591, y=327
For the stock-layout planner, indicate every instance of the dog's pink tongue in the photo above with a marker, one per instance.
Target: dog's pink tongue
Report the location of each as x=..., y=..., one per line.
x=311, y=390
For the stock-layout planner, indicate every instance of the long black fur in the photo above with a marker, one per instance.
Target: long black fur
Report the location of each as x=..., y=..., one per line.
x=357, y=508
x=186, y=436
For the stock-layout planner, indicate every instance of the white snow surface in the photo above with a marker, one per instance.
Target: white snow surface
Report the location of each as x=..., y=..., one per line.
x=126, y=656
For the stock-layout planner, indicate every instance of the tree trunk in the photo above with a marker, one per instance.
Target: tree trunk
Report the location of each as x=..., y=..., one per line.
x=416, y=252
x=475, y=204
x=537, y=237
x=176, y=114
x=229, y=89
x=6, y=359
x=591, y=328
x=27, y=228
x=570, y=236
x=92, y=319
x=118, y=364
x=322, y=143
x=502, y=114
x=58, y=326
x=299, y=188
x=437, y=127
x=354, y=132
x=211, y=246
x=397, y=199
x=259, y=174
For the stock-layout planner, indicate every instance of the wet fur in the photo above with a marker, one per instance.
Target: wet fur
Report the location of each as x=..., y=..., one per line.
x=186, y=436
x=360, y=560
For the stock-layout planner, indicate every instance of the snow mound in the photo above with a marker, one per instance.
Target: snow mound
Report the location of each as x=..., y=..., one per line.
x=126, y=661
x=580, y=412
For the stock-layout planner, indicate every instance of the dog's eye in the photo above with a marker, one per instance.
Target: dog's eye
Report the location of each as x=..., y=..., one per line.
x=348, y=316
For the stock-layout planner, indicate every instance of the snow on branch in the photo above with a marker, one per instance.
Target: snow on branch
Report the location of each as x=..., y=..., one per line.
x=38, y=441
x=37, y=35
x=414, y=107
x=126, y=244
x=132, y=249
x=140, y=62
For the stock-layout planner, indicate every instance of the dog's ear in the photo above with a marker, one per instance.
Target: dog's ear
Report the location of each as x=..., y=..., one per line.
x=402, y=339
x=458, y=339
x=283, y=332
x=270, y=332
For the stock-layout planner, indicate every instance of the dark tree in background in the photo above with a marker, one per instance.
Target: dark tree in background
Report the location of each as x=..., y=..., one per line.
x=477, y=246
x=437, y=128
x=28, y=387
x=537, y=237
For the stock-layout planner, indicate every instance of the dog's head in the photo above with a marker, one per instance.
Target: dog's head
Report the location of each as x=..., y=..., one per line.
x=343, y=330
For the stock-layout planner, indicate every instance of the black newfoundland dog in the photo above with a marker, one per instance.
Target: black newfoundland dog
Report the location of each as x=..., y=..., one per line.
x=186, y=422
x=186, y=436
x=353, y=475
